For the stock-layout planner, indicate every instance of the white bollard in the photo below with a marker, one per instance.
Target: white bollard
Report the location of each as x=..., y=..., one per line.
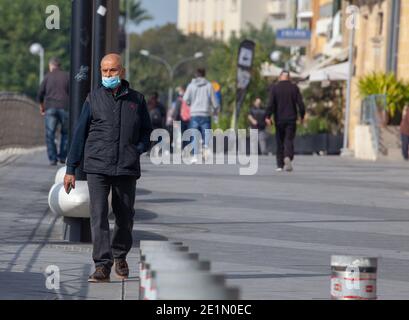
x=75, y=204
x=59, y=176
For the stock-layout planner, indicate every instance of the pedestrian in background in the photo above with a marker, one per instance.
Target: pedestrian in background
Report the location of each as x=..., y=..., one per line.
x=157, y=111
x=285, y=99
x=182, y=110
x=53, y=97
x=181, y=114
x=203, y=104
x=257, y=119
x=404, y=130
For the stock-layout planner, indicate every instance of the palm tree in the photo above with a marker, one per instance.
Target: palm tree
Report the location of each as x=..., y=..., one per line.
x=133, y=11
x=137, y=14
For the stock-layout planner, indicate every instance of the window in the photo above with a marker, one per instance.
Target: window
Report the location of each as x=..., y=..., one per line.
x=233, y=5
x=379, y=24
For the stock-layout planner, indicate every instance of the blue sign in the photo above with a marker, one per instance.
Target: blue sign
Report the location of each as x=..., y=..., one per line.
x=293, y=37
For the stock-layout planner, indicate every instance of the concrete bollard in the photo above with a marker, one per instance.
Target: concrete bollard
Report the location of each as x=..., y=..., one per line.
x=169, y=271
x=168, y=261
x=353, y=278
x=189, y=285
x=149, y=244
x=59, y=176
x=75, y=204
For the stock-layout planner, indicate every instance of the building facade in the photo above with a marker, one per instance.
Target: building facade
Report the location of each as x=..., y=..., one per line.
x=222, y=19
x=373, y=50
x=326, y=28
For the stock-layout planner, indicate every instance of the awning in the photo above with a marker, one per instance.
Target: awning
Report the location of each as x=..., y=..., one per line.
x=322, y=64
x=271, y=70
x=337, y=72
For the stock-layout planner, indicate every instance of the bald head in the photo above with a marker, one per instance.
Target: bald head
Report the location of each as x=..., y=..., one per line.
x=111, y=65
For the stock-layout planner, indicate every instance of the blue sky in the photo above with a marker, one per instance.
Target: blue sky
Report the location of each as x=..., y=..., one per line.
x=163, y=12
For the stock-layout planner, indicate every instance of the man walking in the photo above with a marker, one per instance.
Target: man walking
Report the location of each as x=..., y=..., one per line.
x=404, y=131
x=256, y=117
x=113, y=130
x=285, y=98
x=203, y=104
x=53, y=97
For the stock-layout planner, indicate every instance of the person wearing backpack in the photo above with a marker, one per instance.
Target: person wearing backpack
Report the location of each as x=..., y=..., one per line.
x=203, y=104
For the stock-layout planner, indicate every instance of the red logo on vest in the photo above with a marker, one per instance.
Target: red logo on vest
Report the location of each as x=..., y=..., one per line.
x=133, y=106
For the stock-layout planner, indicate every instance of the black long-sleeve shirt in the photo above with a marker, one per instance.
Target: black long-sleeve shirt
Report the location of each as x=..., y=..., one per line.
x=54, y=90
x=79, y=138
x=285, y=98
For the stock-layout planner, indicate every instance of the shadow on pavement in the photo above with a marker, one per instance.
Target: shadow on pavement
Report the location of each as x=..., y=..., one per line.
x=139, y=235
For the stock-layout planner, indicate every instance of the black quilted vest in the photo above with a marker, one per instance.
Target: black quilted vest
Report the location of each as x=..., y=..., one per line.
x=113, y=134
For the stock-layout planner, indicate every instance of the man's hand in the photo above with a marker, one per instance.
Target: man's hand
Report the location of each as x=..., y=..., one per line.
x=42, y=109
x=69, y=181
x=269, y=122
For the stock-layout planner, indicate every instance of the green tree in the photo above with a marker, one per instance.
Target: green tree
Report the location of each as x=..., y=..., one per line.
x=170, y=44
x=137, y=13
x=223, y=68
x=23, y=23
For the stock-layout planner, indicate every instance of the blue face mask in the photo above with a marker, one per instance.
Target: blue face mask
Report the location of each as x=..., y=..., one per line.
x=111, y=82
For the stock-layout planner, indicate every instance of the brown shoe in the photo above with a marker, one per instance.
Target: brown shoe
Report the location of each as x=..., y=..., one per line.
x=121, y=268
x=101, y=274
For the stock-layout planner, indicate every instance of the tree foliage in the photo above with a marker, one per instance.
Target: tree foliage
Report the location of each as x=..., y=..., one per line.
x=23, y=23
x=137, y=13
x=396, y=91
x=168, y=43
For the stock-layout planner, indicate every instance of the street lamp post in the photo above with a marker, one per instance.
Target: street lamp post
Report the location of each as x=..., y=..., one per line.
x=128, y=40
x=171, y=69
x=37, y=49
x=345, y=151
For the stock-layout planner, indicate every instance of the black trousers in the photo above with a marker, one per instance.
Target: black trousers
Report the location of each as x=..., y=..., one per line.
x=123, y=200
x=285, y=134
x=405, y=145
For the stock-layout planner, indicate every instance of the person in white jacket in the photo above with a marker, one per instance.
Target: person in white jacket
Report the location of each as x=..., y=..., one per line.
x=200, y=96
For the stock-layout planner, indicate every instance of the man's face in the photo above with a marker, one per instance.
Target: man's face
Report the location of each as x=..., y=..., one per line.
x=284, y=77
x=257, y=102
x=111, y=68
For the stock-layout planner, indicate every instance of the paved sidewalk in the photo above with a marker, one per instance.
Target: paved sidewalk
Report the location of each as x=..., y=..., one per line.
x=272, y=234
x=31, y=240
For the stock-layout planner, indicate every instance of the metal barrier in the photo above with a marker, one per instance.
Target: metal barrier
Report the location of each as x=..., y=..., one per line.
x=353, y=278
x=373, y=114
x=21, y=124
x=168, y=271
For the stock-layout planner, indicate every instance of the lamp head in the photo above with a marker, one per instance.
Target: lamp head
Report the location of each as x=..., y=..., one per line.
x=36, y=48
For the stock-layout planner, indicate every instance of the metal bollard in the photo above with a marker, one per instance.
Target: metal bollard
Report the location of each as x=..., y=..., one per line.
x=353, y=278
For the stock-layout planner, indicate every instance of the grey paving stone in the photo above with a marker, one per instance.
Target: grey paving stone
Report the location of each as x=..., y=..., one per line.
x=272, y=234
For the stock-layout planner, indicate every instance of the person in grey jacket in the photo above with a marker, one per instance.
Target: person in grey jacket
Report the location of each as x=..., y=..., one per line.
x=203, y=104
